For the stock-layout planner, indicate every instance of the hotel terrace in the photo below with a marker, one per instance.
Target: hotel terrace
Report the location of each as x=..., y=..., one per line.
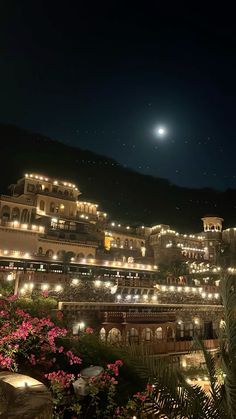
x=50, y=239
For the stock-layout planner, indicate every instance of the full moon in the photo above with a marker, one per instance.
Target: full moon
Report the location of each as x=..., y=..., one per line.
x=160, y=131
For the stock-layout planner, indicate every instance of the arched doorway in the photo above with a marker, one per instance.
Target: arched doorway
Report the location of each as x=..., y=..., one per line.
x=114, y=336
x=25, y=216
x=147, y=334
x=5, y=213
x=159, y=334
x=15, y=216
x=170, y=334
x=102, y=335
x=133, y=335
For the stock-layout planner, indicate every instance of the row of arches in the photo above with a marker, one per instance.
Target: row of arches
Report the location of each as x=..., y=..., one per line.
x=88, y=209
x=193, y=255
x=127, y=243
x=60, y=254
x=41, y=188
x=133, y=335
x=15, y=214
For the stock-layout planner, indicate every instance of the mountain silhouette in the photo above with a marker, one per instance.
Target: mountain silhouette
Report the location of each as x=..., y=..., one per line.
x=127, y=196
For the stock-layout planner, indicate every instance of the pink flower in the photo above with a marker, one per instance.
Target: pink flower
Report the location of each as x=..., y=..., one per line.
x=88, y=330
x=60, y=349
x=12, y=298
x=73, y=359
x=22, y=313
x=53, y=334
x=119, y=363
x=140, y=396
x=4, y=313
x=60, y=377
x=6, y=362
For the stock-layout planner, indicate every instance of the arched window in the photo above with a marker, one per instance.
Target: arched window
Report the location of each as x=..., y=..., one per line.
x=133, y=336
x=118, y=241
x=15, y=216
x=42, y=205
x=126, y=242
x=66, y=193
x=159, y=333
x=80, y=256
x=49, y=253
x=25, y=216
x=114, y=336
x=102, y=335
x=60, y=254
x=40, y=251
x=90, y=256
x=147, y=334
x=170, y=334
x=52, y=207
x=5, y=213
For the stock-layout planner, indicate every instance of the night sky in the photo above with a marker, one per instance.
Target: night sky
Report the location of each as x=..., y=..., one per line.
x=104, y=75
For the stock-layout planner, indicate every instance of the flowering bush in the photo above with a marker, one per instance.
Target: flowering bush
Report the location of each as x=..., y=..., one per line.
x=29, y=342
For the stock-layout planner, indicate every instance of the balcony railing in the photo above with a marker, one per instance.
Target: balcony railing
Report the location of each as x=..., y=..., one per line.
x=180, y=347
x=16, y=225
x=17, y=200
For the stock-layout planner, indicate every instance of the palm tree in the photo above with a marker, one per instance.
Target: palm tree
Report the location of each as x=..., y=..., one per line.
x=173, y=397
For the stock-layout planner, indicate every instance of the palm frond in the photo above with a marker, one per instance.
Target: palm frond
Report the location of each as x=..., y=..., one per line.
x=174, y=397
x=228, y=345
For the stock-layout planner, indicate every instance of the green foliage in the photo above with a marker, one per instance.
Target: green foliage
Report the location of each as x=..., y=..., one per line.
x=94, y=352
x=6, y=288
x=37, y=305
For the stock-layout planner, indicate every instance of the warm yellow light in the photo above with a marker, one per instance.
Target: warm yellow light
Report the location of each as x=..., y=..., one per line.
x=75, y=281
x=97, y=283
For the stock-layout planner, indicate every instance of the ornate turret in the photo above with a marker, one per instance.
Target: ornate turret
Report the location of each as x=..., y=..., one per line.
x=213, y=234
x=212, y=223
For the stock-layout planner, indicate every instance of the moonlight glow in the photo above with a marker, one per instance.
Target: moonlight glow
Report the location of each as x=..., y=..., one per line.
x=160, y=131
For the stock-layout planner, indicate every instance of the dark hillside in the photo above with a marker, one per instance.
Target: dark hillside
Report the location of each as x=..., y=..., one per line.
x=125, y=194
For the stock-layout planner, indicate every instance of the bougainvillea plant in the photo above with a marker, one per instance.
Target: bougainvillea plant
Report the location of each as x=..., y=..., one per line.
x=30, y=343
x=27, y=340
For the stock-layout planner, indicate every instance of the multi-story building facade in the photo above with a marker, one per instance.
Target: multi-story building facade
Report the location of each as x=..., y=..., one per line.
x=51, y=239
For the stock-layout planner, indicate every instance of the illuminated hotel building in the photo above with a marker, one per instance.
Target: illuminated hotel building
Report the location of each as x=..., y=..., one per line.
x=50, y=237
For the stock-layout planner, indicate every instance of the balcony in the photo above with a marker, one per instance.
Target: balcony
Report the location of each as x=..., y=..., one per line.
x=17, y=200
x=16, y=225
x=180, y=347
